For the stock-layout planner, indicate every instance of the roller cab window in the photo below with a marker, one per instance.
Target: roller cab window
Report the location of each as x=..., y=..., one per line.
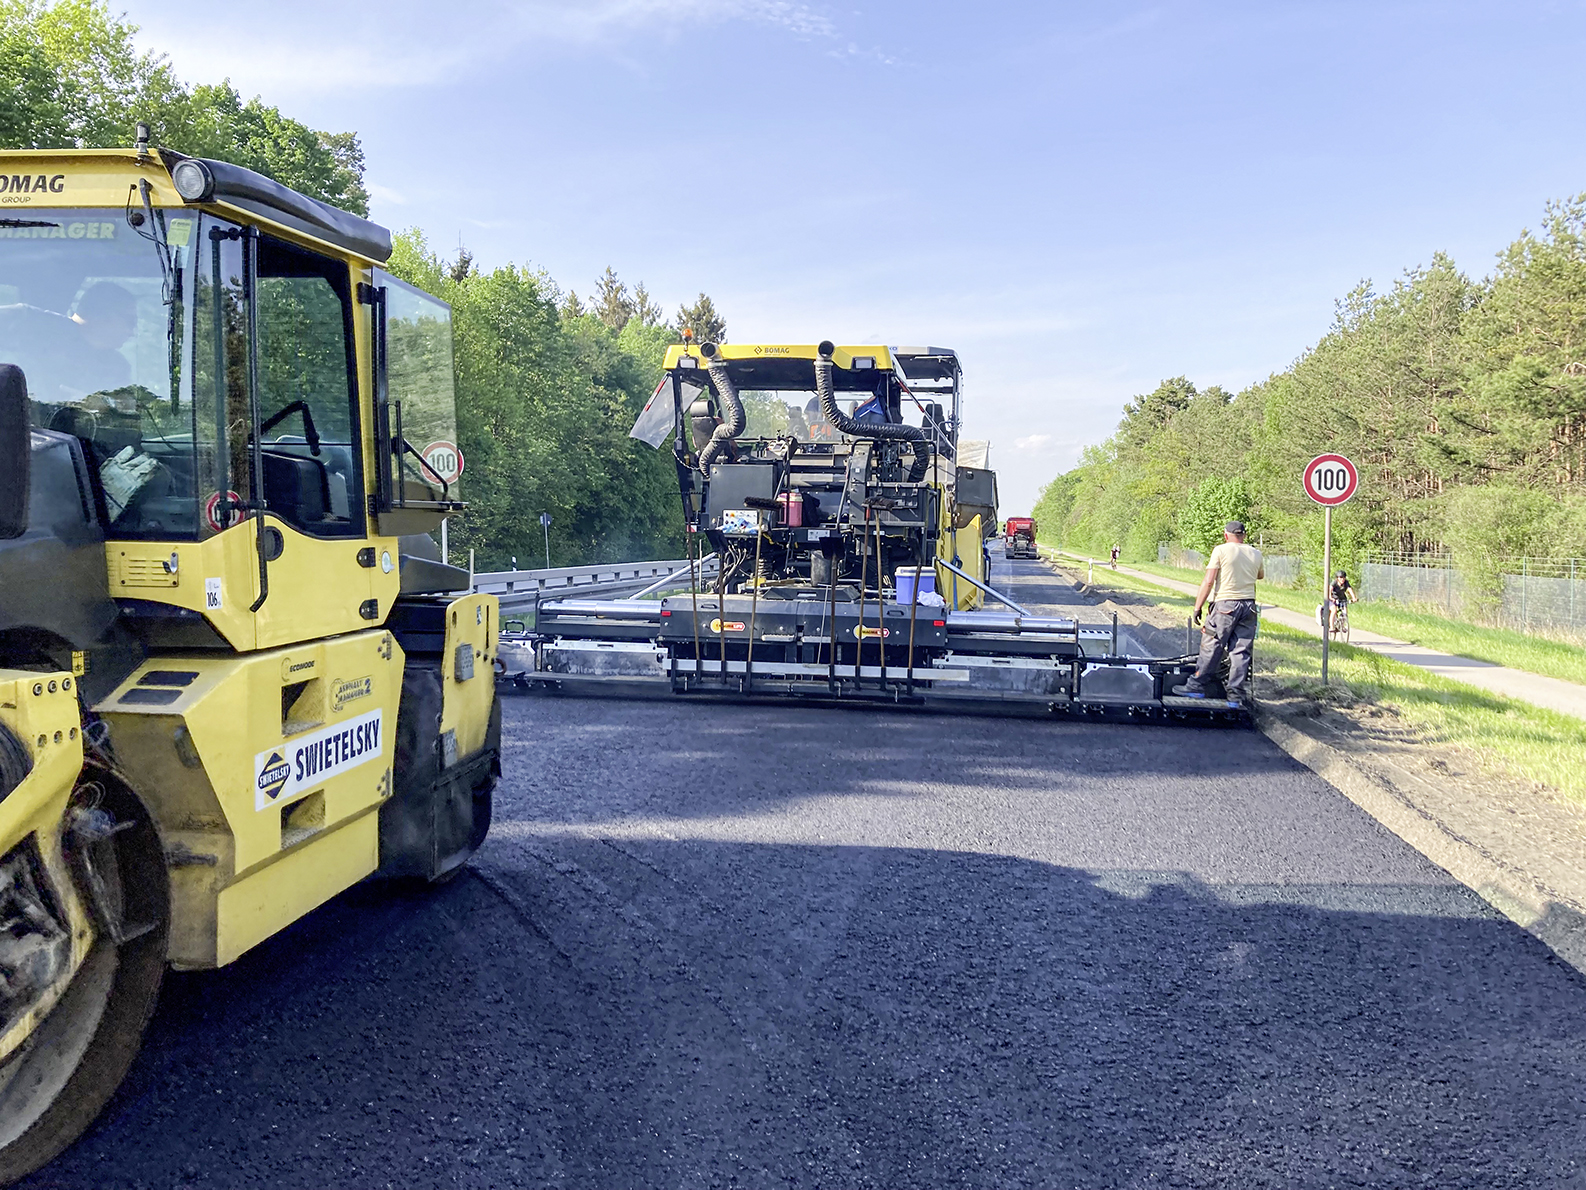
x=311, y=467
x=416, y=402
x=95, y=310
x=131, y=329
x=423, y=388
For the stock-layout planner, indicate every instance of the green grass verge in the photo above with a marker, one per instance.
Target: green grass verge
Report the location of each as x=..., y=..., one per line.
x=1535, y=743
x=1501, y=646
x=1512, y=737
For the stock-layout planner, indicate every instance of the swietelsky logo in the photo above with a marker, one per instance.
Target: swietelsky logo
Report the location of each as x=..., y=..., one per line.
x=274, y=777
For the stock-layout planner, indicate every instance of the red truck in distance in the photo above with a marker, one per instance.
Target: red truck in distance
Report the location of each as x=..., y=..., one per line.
x=1018, y=538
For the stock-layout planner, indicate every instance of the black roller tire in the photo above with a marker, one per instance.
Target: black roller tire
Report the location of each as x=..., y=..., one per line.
x=16, y=761
x=485, y=792
x=418, y=830
x=113, y=995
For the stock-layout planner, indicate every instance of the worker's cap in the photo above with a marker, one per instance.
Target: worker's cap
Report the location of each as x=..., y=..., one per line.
x=1234, y=527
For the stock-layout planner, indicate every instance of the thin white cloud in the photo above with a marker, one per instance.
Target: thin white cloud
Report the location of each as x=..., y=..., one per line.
x=409, y=48
x=852, y=52
x=1032, y=442
x=385, y=194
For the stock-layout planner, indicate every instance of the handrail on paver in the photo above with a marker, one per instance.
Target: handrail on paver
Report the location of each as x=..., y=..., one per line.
x=703, y=567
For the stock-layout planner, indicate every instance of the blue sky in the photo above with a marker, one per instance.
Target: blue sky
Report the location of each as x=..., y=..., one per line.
x=1081, y=198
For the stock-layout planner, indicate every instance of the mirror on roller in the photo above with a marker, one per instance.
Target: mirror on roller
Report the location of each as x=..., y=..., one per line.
x=16, y=446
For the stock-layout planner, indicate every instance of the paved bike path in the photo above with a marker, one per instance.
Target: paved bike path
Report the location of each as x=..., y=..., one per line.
x=1554, y=694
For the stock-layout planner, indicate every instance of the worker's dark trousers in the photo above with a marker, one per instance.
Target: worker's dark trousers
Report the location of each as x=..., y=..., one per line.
x=1231, y=626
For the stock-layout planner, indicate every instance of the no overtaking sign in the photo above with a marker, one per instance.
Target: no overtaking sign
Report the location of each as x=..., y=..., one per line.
x=1330, y=479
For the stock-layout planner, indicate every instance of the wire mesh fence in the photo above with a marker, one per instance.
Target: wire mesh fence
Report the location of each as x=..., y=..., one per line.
x=1282, y=569
x=1170, y=553
x=1545, y=597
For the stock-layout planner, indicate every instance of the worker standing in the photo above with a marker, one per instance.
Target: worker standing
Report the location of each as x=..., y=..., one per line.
x=1230, y=587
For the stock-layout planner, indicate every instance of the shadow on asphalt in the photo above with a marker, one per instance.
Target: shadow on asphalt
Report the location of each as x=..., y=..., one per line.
x=687, y=1014
x=909, y=998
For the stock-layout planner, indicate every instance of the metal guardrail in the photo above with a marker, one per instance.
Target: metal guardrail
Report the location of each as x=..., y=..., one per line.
x=516, y=587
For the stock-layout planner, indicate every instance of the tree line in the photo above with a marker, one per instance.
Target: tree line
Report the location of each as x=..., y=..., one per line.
x=546, y=392
x=1462, y=402
x=547, y=383
x=70, y=76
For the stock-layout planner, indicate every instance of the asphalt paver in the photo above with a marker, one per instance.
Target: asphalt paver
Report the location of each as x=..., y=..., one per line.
x=713, y=945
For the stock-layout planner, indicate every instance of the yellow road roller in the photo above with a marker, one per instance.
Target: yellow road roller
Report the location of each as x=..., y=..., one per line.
x=236, y=675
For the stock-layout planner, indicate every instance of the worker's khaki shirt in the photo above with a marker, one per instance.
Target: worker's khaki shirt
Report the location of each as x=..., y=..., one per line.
x=1237, y=566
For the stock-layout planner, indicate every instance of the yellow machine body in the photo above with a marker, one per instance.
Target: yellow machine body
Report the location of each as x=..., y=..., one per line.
x=264, y=771
x=844, y=357
x=473, y=624
x=965, y=544
x=268, y=628
x=40, y=710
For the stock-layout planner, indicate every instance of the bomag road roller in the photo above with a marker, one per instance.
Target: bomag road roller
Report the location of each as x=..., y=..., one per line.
x=843, y=531
x=235, y=675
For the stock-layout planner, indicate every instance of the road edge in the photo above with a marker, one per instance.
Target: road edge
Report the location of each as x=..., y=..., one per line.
x=1560, y=927
x=1513, y=892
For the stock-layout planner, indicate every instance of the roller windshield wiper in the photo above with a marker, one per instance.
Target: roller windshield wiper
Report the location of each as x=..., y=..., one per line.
x=27, y=223
x=156, y=236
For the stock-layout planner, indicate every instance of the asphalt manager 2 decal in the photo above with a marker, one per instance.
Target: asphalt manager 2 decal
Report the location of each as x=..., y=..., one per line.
x=281, y=773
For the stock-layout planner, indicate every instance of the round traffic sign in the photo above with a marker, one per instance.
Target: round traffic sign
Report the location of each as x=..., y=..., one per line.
x=212, y=515
x=1330, y=479
x=444, y=459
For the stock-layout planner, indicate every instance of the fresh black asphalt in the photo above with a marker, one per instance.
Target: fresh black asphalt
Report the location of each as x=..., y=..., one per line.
x=763, y=946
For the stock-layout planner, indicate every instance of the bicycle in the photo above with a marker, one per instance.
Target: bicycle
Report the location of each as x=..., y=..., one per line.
x=1340, y=622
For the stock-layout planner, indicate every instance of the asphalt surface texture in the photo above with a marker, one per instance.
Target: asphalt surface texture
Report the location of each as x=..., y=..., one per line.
x=765, y=946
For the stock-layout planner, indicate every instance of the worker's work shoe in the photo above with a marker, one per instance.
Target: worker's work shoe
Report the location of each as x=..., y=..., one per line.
x=1186, y=692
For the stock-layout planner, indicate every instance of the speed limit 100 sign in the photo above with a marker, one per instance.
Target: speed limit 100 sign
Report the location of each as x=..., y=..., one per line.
x=1331, y=479
x=444, y=460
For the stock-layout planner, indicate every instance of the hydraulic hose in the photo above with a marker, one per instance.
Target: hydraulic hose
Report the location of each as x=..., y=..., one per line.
x=734, y=420
x=856, y=429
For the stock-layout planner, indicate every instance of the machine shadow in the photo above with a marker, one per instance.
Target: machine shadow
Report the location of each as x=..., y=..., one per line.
x=689, y=1013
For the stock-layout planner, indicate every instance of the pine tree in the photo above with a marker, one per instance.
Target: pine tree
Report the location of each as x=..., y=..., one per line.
x=645, y=311
x=702, y=319
x=611, y=303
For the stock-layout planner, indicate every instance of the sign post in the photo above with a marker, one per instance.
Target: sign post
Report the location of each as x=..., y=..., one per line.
x=1329, y=480
x=545, y=523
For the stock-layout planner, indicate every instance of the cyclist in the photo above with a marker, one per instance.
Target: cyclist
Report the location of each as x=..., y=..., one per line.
x=1115, y=557
x=1339, y=594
